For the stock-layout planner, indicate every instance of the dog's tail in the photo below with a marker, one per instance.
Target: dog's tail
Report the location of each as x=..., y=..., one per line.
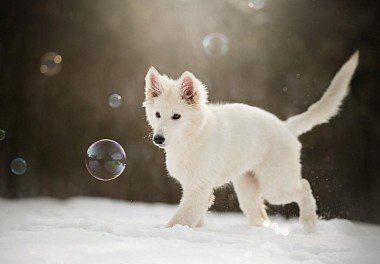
x=328, y=106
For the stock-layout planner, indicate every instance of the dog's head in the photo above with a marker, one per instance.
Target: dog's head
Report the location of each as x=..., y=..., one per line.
x=175, y=109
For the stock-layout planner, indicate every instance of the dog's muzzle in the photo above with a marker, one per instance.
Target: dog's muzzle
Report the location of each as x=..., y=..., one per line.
x=159, y=140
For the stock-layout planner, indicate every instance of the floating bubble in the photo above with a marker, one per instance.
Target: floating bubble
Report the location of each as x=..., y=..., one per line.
x=105, y=160
x=285, y=89
x=215, y=44
x=256, y=4
x=114, y=100
x=51, y=63
x=278, y=230
x=266, y=223
x=18, y=166
x=2, y=134
x=285, y=232
x=273, y=226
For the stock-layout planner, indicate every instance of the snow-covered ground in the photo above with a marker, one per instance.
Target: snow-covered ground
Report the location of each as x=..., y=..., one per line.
x=93, y=230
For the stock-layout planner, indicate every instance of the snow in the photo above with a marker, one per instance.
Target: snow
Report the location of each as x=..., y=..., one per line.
x=95, y=230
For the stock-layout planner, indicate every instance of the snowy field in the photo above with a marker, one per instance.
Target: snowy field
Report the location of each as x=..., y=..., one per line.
x=92, y=230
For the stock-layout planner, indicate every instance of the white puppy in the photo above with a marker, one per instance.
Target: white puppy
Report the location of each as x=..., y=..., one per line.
x=209, y=145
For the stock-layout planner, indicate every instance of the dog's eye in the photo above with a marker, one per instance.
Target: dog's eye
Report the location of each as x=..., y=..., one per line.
x=176, y=116
x=158, y=115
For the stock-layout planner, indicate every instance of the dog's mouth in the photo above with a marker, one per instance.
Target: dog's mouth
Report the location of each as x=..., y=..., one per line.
x=161, y=146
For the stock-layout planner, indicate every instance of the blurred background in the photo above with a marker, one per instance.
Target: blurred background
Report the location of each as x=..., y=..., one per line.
x=60, y=61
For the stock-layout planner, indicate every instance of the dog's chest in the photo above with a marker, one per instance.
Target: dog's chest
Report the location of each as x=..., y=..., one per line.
x=179, y=166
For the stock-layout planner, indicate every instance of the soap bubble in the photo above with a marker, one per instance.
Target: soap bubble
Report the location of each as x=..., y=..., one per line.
x=2, y=134
x=273, y=226
x=51, y=64
x=18, y=166
x=215, y=44
x=278, y=230
x=105, y=160
x=256, y=4
x=285, y=232
x=114, y=100
x=266, y=223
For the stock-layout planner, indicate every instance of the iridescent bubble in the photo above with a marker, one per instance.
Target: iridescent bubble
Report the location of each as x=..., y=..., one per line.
x=285, y=231
x=278, y=230
x=105, y=160
x=2, y=134
x=266, y=223
x=114, y=100
x=215, y=44
x=51, y=63
x=256, y=4
x=273, y=226
x=18, y=166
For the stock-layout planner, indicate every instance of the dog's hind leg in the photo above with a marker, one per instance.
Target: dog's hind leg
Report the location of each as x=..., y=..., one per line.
x=250, y=200
x=282, y=184
x=307, y=205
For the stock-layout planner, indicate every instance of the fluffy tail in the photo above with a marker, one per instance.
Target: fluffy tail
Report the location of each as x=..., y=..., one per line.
x=328, y=106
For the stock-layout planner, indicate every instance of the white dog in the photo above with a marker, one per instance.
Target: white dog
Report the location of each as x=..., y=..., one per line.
x=209, y=145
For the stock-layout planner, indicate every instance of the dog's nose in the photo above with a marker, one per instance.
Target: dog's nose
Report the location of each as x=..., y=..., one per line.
x=158, y=139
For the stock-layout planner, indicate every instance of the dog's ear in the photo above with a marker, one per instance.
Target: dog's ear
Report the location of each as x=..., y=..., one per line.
x=153, y=86
x=192, y=90
x=187, y=88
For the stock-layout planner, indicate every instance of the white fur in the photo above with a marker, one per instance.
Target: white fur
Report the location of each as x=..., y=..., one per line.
x=211, y=145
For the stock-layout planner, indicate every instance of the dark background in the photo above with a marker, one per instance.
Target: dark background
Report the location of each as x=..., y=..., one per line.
x=108, y=46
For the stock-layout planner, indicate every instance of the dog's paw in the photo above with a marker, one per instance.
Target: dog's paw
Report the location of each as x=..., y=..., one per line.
x=201, y=223
x=256, y=221
x=171, y=224
x=181, y=223
x=309, y=222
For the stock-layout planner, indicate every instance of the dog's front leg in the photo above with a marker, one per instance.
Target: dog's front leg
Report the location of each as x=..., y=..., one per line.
x=193, y=206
